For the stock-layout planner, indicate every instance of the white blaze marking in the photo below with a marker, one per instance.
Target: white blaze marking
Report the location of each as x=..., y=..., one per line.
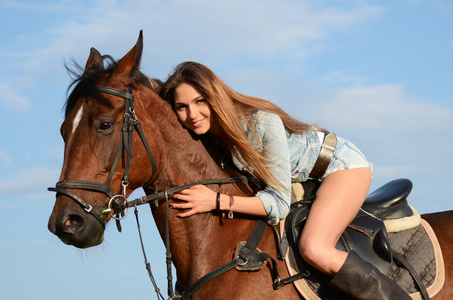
x=77, y=119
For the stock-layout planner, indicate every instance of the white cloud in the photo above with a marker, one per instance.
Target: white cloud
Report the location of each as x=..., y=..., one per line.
x=386, y=107
x=401, y=135
x=10, y=97
x=342, y=78
x=5, y=159
x=33, y=181
x=5, y=205
x=264, y=27
x=202, y=29
x=257, y=29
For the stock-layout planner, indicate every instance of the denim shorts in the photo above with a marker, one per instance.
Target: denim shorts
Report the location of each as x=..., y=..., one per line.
x=345, y=157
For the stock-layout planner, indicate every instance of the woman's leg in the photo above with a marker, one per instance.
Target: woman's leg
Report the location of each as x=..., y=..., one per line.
x=338, y=201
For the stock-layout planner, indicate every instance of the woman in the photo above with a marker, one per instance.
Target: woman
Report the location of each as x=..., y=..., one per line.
x=265, y=141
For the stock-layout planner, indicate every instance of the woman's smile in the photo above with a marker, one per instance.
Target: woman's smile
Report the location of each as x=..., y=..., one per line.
x=193, y=111
x=198, y=123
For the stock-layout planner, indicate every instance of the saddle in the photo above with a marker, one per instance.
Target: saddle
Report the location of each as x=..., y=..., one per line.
x=367, y=234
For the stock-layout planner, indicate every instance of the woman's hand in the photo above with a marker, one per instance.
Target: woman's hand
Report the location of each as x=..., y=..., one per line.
x=197, y=199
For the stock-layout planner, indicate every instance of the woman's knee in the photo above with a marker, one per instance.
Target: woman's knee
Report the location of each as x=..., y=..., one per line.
x=324, y=257
x=312, y=251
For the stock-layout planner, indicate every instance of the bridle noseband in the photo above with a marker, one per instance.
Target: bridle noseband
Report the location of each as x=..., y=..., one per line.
x=117, y=202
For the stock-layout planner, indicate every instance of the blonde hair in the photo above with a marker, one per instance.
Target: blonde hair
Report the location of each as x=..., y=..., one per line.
x=230, y=107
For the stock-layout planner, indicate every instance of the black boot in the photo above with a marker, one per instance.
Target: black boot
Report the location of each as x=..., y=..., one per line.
x=361, y=280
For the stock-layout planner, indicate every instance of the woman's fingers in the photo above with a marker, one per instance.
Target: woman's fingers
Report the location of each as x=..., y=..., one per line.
x=186, y=214
x=196, y=199
x=181, y=205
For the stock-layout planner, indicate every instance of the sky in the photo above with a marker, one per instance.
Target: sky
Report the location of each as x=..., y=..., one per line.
x=376, y=72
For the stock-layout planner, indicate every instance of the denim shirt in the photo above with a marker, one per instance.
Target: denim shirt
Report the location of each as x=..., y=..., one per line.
x=291, y=156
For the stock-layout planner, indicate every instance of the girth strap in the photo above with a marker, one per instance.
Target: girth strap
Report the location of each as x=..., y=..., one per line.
x=252, y=243
x=400, y=258
x=205, y=279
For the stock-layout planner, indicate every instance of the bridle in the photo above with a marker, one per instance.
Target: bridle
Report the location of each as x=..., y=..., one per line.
x=117, y=203
x=118, y=206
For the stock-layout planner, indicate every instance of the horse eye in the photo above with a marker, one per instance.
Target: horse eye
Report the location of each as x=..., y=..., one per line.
x=104, y=126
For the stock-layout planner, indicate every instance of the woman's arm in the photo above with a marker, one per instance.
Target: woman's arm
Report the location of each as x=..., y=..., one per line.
x=272, y=203
x=200, y=198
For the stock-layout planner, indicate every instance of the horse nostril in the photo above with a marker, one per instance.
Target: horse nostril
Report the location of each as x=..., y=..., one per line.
x=73, y=224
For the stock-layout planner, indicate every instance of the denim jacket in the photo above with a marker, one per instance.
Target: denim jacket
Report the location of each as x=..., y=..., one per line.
x=291, y=158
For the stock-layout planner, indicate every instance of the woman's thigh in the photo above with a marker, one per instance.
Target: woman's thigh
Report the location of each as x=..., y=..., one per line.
x=338, y=201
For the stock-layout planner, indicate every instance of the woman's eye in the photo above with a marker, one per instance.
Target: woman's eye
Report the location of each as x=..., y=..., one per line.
x=104, y=126
x=180, y=107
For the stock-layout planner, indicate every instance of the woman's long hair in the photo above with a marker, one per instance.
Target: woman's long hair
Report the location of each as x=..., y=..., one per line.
x=230, y=108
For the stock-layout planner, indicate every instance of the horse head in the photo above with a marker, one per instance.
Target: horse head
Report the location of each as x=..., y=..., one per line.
x=106, y=153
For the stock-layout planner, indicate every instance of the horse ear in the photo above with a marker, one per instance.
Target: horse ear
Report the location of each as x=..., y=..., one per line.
x=130, y=63
x=94, y=61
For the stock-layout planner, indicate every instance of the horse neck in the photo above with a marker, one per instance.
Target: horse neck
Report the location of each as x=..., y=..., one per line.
x=182, y=159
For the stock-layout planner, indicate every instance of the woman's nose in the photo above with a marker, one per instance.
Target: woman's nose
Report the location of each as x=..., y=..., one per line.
x=193, y=112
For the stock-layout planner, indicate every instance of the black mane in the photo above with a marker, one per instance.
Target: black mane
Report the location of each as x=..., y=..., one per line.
x=84, y=83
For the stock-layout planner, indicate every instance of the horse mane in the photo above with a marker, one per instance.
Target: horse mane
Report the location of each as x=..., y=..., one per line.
x=84, y=83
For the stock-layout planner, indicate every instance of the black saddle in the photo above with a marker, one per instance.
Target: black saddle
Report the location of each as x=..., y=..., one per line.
x=366, y=234
x=390, y=200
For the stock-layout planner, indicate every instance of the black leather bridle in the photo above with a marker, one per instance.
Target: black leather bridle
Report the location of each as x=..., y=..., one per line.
x=118, y=206
x=117, y=202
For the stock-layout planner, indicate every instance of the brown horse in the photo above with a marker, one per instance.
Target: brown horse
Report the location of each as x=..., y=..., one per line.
x=96, y=169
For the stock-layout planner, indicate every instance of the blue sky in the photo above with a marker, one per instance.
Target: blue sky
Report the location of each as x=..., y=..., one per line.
x=376, y=72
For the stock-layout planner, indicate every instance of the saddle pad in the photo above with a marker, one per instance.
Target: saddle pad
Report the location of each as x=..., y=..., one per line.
x=402, y=224
x=418, y=245
x=422, y=250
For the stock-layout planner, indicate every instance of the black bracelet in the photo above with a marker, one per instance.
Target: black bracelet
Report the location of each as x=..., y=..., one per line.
x=217, y=206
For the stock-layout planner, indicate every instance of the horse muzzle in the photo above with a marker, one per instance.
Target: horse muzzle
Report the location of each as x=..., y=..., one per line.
x=76, y=227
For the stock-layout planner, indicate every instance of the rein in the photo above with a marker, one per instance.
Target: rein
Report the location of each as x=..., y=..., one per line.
x=159, y=195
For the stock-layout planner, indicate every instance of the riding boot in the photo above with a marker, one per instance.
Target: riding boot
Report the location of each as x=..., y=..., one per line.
x=361, y=280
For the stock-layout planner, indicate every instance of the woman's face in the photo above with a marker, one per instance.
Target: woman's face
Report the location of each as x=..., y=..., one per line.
x=193, y=111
